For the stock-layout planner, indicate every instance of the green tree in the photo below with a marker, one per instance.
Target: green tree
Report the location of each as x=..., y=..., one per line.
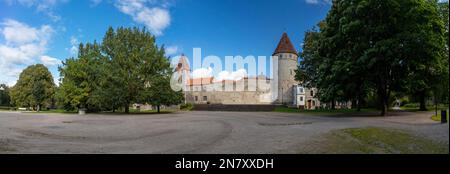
x=441, y=91
x=158, y=92
x=385, y=46
x=127, y=67
x=80, y=79
x=35, y=88
x=136, y=59
x=313, y=71
x=426, y=52
x=4, y=95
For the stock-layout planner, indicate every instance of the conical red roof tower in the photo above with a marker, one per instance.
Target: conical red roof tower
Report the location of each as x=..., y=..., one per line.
x=285, y=45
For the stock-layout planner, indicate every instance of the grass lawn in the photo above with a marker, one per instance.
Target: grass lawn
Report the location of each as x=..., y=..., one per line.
x=415, y=107
x=59, y=111
x=380, y=140
x=5, y=108
x=321, y=111
x=132, y=111
x=438, y=117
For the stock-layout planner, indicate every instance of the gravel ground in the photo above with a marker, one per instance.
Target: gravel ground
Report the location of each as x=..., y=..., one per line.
x=192, y=132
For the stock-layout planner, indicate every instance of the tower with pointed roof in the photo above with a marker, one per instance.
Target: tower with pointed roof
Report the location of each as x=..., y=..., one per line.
x=185, y=73
x=287, y=58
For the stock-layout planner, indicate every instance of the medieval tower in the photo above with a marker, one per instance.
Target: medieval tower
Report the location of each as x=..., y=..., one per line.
x=287, y=58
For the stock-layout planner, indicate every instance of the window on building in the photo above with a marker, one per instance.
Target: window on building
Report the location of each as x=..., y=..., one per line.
x=196, y=98
x=312, y=93
x=301, y=98
x=300, y=90
x=205, y=98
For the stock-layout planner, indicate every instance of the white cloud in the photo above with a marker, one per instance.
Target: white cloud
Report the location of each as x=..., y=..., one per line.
x=318, y=1
x=202, y=73
x=50, y=61
x=223, y=75
x=95, y=2
x=15, y=55
x=44, y=6
x=74, y=42
x=17, y=51
x=171, y=50
x=235, y=75
x=156, y=18
x=18, y=33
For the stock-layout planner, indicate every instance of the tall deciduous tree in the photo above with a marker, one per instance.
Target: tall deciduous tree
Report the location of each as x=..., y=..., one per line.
x=135, y=59
x=386, y=46
x=80, y=79
x=35, y=88
x=127, y=67
x=4, y=95
x=442, y=90
x=158, y=92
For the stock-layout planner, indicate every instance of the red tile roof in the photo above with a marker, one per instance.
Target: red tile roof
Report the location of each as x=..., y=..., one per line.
x=200, y=81
x=285, y=45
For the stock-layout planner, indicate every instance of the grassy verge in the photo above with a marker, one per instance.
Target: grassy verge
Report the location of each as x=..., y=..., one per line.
x=380, y=141
x=321, y=111
x=132, y=111
x=58, y=111
x=5, y=108
x=438, y=117
x=415, y=107
x=186, y=107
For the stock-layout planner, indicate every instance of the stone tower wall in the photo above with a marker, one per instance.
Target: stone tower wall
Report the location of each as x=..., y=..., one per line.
x=287, y=64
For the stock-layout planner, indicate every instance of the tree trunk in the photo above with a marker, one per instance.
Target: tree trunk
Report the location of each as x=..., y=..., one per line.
x=384, y=108
x=158, y=108
x=384, y=98
x=38, y=108
x=358, y=103
x=436, y=106
x=333, y=104
x=127, y=108
x=422, y=97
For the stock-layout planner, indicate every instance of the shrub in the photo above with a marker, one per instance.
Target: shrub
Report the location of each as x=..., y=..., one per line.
x=187, y=106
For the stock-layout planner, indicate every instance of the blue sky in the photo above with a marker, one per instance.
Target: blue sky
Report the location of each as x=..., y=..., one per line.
x=47, y=31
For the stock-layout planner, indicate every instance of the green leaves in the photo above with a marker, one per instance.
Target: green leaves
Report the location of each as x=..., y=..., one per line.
x=366, y=45
x=35, y=87
x=113, y=74
x=4, y=95
x=80, y=78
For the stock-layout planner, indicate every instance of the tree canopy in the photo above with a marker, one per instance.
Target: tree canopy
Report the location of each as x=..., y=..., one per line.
x=35, y=88
x=4, y=95
x=80, y=78
x=126, y=67
x=380, y=46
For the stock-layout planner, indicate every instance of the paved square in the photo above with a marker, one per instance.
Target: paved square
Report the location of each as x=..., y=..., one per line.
x=191, y=132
